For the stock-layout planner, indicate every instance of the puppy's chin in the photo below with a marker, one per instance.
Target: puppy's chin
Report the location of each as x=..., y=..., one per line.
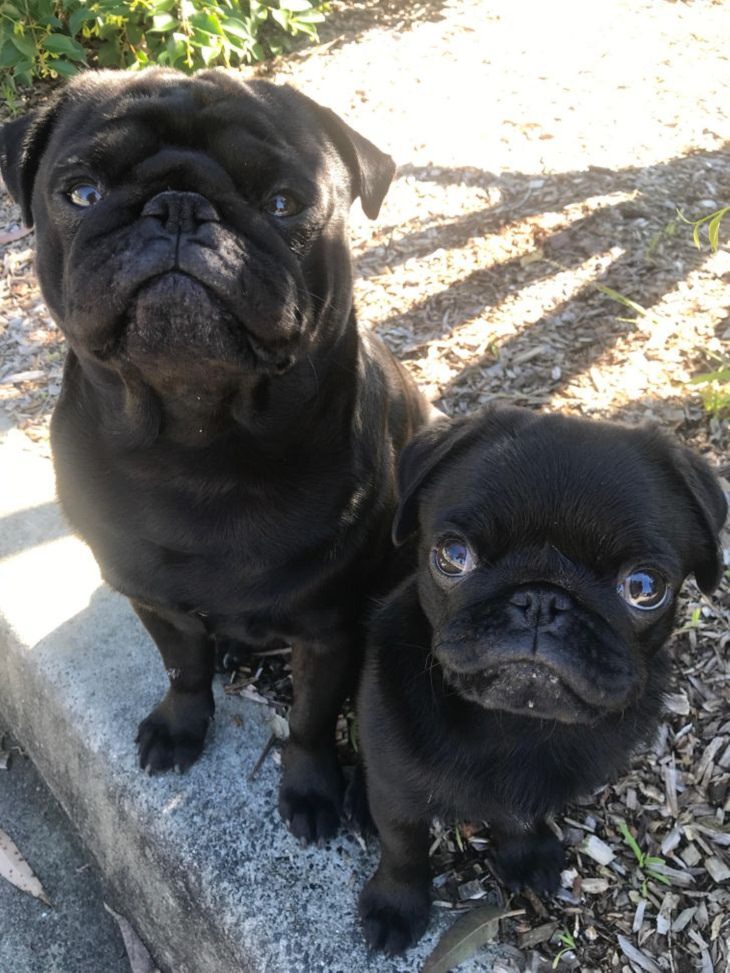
x=176, y=319
x=525, y=689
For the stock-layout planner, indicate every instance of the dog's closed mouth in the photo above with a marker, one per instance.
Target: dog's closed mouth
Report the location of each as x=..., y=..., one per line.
x=523, y=688
x=175, y=313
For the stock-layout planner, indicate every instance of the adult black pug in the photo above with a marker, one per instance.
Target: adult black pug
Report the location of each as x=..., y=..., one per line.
x=522, y=662
x=225, y=437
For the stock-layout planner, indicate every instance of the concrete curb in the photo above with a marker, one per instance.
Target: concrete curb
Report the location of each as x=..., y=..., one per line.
x=201, y=864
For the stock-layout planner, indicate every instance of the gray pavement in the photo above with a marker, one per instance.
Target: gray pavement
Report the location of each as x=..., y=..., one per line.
x=76, y=934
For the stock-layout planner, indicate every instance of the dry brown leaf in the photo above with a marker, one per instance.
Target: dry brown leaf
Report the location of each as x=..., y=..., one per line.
x=139, y=958
x=17, y=871
x=638, y=957
x=16, y=234
x=465, y=937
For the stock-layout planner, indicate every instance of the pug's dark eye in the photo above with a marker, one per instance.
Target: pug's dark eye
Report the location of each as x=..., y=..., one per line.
x=453, y=557
x=85, y=195
x=644, y=589
x=282, y=204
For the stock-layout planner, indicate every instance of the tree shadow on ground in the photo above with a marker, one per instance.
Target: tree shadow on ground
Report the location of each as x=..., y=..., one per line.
x=27, y=528
x=348, y=25
x=657, y=254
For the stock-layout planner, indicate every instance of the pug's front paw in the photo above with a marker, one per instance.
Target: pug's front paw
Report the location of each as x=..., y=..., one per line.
x=533, y=860
x=173, y=735
x=310, y=795
x=394, y=915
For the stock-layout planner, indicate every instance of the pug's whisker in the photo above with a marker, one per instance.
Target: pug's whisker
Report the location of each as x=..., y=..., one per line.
x=430, y=665
x=316, y=375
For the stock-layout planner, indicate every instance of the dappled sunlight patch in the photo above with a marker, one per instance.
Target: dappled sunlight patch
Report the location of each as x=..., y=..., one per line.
x=441, y=360
x=657, y=356
x=420, y=273
x=515, y=315
x=45, y=586
x=421, y=202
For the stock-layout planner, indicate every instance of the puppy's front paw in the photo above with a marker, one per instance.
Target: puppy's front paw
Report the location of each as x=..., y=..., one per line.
x=310, y=795
x=534, y=860
x=173, y=735
x=393, y=917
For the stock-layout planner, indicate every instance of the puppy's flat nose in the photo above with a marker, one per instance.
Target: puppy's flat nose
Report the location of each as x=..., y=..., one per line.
x=180, y=212
x=539, y=606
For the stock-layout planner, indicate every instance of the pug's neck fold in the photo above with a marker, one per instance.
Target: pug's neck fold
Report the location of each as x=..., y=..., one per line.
x=196, y=406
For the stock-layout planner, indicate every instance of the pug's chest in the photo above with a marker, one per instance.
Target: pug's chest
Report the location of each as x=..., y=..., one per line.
x=449, y=759
x=247, y=570
x=214, y=572
x=494, y=779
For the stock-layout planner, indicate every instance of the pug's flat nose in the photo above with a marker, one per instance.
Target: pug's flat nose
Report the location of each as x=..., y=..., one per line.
x=539, y=606
x=180, y=212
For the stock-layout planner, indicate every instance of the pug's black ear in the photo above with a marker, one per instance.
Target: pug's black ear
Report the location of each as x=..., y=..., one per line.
x=418, y=461
x=711, y=506
x=22, y=143
x=444, y=439
x=372, y=171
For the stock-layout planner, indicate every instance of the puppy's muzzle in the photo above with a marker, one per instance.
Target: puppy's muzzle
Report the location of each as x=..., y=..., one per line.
x=537, y=652
x=540, y=609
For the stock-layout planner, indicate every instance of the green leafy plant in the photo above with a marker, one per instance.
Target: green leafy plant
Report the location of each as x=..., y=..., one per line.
x=716, y=384
x=48, y=38
x=715, y=390
x=35, y=42
x=713, y=222
x=622, y=299
x=569, y=944
x=694, y=620
x=647, y=863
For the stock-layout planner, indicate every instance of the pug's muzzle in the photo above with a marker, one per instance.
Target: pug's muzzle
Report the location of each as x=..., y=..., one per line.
x=191, y=289
x=536, y=651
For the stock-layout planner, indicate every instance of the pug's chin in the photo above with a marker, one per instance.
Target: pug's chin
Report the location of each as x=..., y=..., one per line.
x=525, y=690
x=176, y=319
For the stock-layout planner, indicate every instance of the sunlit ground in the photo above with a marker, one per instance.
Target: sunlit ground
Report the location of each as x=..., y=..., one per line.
x=520, y=130
x=543, y=149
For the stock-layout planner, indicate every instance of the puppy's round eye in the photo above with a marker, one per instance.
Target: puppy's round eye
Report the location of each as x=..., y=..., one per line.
x=453, y=557
x=644, y=589
x=282, y=204
x=85, y=195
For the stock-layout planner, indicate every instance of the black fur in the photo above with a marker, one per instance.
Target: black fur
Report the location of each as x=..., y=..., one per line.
x=226, y=436
x=507, y=691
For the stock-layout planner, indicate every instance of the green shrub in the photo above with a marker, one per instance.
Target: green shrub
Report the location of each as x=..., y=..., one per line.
x=47, y=38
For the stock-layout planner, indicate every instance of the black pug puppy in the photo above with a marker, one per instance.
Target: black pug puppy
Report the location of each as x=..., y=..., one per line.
x=522, y=662
x=226, y=435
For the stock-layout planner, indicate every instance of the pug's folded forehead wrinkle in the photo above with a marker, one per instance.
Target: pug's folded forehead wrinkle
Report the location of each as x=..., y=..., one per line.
x=184, y=169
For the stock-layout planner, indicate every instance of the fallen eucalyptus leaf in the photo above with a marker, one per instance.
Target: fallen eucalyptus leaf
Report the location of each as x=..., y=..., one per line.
x=465, y=937
x=138, y=955
x=637, y=957
x=16, y=234
x=17, y=871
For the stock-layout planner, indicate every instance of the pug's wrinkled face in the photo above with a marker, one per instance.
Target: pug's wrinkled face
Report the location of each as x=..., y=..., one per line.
x=549, y=565
x=191, y=220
